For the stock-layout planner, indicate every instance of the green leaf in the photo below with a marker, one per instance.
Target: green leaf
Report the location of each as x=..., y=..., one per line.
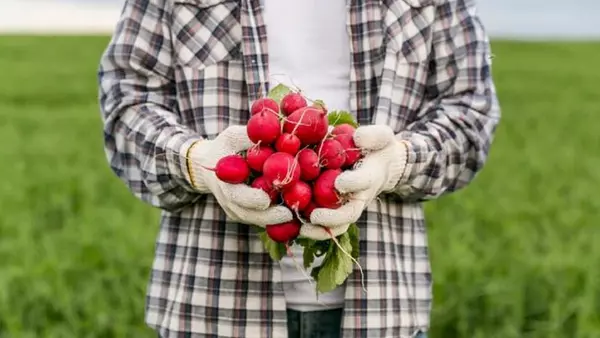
x=309, y=256
x=311, y=248
x=340, y=117
x=323, y=247
x=305, y=242
x=278, y=92
x=336, y=267
x=319, y=103
x=325, y=277
x=354, y=235
x=315, y=274
x=275, y=250
x=346, y=262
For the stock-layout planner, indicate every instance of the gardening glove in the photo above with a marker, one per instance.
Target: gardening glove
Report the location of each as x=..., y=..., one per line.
x=319, y=233
x=380, y=171
x=241, y=203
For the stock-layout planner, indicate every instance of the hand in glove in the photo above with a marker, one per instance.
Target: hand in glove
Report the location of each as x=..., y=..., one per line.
x=380, y=171
x=319, y=233
x=242, y=203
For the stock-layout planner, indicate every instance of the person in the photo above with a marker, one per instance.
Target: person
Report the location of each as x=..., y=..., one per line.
x=176, y=82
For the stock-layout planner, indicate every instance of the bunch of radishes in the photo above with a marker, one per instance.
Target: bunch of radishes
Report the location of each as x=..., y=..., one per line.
x=295, y=159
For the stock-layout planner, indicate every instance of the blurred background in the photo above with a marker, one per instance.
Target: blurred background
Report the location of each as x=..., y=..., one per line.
x=517, y=254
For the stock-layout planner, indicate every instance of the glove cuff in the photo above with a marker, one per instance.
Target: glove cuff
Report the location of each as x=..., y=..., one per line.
x=193, y=171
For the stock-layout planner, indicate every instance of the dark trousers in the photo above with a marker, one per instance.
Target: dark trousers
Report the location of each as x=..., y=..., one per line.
x=318, y=324
x=315, y=324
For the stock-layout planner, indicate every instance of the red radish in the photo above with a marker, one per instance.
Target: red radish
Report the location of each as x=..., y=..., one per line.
x=324, y=191
x=333, y=155
x=282, y=170
x=343, y=128
x=288, y=143
x=257, y=155
x=264, y=103
x=263, y=127
x=309, y=164
x=292, y=102
x=352, y=151
x=232, y=169
x=308, y=210
x=263, y=184
x=284, y=232
x=309, y=124
x=297, y=196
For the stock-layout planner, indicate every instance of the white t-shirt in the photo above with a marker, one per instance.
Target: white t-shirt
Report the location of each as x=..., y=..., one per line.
x=309, y=47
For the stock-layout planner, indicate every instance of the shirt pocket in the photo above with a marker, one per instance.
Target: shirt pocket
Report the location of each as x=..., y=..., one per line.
x=409, y=29
x=205, y=32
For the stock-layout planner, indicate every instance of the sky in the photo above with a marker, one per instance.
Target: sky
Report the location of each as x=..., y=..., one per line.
x=525, y=19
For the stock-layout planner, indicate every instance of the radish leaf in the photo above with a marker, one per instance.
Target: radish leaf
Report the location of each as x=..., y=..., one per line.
x=275, y=250
x=320, y=104
x=336, y=267
x=278, y=92
x=309, y=256
x=340, y=117
x=354, y=237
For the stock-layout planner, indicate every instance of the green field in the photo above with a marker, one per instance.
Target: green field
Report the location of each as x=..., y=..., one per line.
x=517, y=254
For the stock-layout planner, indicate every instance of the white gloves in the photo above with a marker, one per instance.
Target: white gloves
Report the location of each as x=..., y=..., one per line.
x=242, y=203
x=380, y=171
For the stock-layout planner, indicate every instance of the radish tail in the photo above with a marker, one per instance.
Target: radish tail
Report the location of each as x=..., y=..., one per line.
x=207, y=168
x=298, y=266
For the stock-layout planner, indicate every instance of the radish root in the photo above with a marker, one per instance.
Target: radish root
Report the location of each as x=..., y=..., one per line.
x=326, y=137
x=289, y=174
x=299, y=123
x=303, y=271
x=298, y=266
x=207, y=168
x=298, y=216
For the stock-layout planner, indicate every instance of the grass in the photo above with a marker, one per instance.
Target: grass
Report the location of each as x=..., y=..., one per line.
x=514, y=255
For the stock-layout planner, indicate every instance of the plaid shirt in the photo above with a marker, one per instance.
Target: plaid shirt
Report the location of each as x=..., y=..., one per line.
x=176, y=70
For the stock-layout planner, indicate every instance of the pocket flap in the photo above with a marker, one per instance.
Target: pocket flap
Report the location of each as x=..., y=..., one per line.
x=419, y=3
x=201, y=3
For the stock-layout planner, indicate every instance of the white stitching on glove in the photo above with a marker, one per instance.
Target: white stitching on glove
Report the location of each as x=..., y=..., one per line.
x=242, y=203
x=380, y=171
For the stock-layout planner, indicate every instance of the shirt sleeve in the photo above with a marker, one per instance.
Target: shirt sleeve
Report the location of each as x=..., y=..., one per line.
x=144, y=142
x=449, y=144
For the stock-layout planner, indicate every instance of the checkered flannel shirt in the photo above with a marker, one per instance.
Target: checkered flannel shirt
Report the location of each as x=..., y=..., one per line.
x=179, y=70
